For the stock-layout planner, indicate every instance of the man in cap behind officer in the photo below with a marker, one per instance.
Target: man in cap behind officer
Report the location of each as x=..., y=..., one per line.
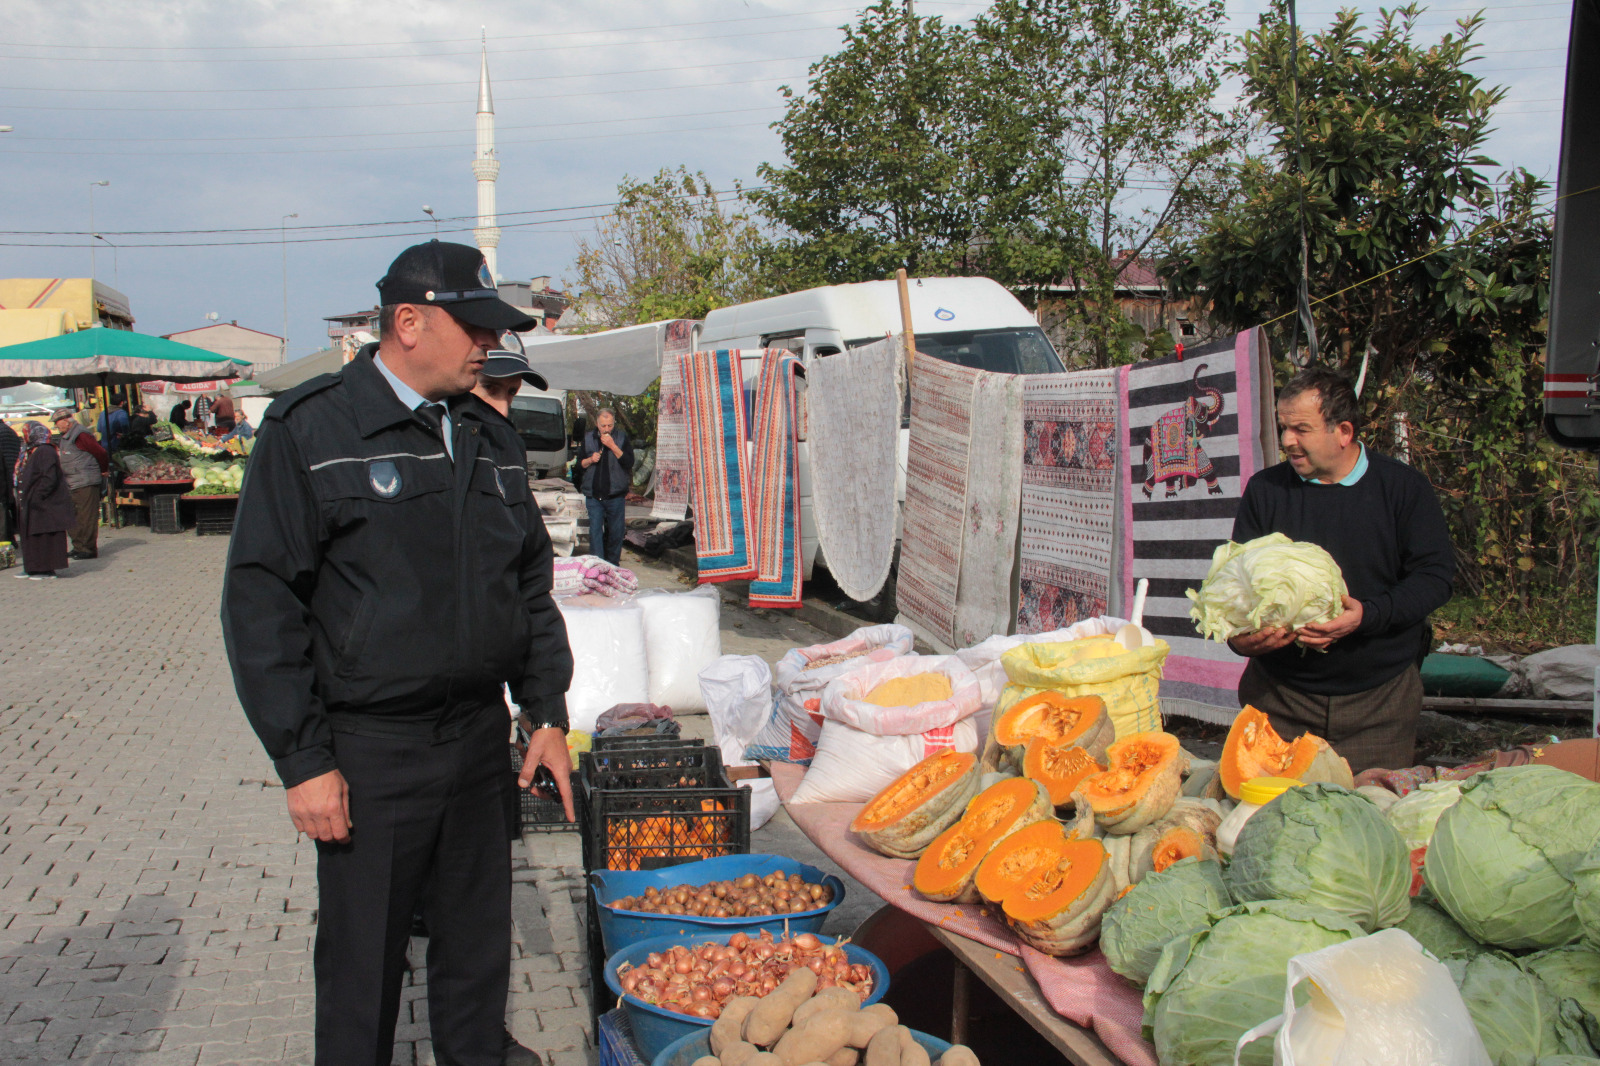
x=388, y=573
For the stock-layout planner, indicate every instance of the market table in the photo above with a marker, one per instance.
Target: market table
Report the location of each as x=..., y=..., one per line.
x=1087, y=1012
x=153, y=493
x=213, y=512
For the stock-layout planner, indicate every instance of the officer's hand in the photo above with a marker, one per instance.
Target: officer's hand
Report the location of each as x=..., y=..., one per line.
x=549, y=746
x=320, y=807
x=1321, y=634
x=1261, y=641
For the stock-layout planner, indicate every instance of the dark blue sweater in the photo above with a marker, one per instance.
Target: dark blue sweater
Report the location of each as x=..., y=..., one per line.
x=1389, y=537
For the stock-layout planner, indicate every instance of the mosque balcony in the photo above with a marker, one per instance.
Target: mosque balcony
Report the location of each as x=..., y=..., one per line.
x=486, y=169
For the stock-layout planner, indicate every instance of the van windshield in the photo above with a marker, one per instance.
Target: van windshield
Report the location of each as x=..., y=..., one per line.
x=999, y=351
x=540, y=423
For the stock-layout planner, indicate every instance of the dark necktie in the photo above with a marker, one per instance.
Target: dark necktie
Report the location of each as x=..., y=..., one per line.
x=433, y=415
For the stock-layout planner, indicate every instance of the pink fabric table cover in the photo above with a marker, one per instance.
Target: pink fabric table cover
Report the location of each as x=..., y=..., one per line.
x=1083, y=989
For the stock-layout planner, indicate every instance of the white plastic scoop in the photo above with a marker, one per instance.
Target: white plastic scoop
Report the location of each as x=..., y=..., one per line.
x=1133, y=635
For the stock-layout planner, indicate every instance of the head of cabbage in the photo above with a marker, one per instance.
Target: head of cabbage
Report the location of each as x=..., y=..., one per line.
x=1572, y=972
x=1505, y=860
x=1210, y=986
x=1586, y=898
x=1164, y=904
x=1328, y=847
x=1438, y=932
x=1269, y=581
x=1519, y=1018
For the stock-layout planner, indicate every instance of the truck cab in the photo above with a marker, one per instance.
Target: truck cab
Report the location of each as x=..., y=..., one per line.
x=541, y=420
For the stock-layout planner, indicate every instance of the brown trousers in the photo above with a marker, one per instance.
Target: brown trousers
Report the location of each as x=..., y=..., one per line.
x=86, y=521
x=1375, y=728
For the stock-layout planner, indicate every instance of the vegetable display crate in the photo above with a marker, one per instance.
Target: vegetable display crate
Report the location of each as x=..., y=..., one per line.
x=616, y=1040
x=165, y=517
x=620, y=928
x=686, y=1049
x=535, y=814
x=653, y=767
x=645, y=740
x=646, y=829
x=601, y=999
x=654, y=1028
x=213, y=515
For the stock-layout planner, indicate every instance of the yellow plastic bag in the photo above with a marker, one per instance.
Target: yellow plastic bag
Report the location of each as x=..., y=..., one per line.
x=1128, y=681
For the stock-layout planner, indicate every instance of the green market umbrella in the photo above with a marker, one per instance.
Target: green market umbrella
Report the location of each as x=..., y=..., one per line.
x=98, y=357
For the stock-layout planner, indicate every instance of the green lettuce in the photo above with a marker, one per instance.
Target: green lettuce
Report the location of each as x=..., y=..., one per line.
x=1269, y=581
x=1207, y=988
x=1504, y=859
x=1165, y=904
x=1572, y=973
x=1438, y=932
x=1328, y=847
x=1518, y=1017
x=1416, y=813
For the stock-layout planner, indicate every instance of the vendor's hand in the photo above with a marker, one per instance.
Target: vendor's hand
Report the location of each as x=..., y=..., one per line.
x=549, y=746
x=1321, y=634
x=608, y=443
x=320, y=808
x=1261, y=641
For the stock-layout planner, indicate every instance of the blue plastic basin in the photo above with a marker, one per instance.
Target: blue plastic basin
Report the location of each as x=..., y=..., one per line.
x=654, y=1027
x=684, y=1050
x=619, y=928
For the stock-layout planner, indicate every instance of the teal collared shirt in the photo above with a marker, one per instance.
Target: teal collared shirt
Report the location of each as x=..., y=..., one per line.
x=414, y=399
x=1349, y=479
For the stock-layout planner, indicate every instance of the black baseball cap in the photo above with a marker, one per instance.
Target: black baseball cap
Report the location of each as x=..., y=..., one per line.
x=508, y=364
x=454, y=277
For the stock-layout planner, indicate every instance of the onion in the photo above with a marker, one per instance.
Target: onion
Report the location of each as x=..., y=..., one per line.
x=738, y=941
x=806, y=942
x=683, y=965
x=721, y=988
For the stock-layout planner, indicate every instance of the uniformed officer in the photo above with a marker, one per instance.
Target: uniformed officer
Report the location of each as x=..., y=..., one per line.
x=388, y=573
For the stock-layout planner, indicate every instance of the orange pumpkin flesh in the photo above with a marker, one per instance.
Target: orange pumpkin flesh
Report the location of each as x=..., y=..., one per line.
x=1254, y=749
x=1140, y=784
x=1053, y=716
x=916, y=807
x=945, y=871
x=1052, y=890
x=1059, y=765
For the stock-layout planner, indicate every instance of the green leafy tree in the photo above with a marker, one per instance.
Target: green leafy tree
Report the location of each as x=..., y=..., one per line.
x=1389, y=170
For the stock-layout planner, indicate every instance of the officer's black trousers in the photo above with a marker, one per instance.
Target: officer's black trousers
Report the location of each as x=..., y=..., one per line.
x=431, y=836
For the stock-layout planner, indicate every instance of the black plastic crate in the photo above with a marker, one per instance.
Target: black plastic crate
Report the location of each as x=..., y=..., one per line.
x=653, y=768
x=601, y=999
x=165, y=517
x=535, y=814
x=646, y=829
x=214, y=517
x=644, y=740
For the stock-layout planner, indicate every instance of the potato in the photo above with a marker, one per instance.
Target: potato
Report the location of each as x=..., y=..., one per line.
x=884, y=1048
x=911, y=1052
x=772, y=1015
x=739, y=1053
x=729, y=1026
x=958, y=1055
x=864, y=1025
x=845, y=1056
x=827, y=998
x=884, y=1011
x=764, y=1058
x=822, y=1034
x=707, y=1060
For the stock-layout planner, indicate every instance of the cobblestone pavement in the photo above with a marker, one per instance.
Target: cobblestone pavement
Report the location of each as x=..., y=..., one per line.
x=155, y=905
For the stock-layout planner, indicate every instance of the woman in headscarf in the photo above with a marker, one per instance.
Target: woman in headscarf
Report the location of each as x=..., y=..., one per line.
x=44, y=505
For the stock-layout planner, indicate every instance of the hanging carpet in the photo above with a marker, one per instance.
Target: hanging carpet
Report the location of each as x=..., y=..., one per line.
x=994, y=485
x=773, y=483
x=715, y=424
x=672, y=431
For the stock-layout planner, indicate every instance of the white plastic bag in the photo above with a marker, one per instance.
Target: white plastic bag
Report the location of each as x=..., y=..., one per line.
x=791, y=734
x=844, y=700
x=764, y=801
x=682, y=636
x=737, y=690
x=851, y=766
x=1375, y=999
x=608, y=660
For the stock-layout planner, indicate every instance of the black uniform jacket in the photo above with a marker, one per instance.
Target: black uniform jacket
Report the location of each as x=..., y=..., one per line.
x=374, y=586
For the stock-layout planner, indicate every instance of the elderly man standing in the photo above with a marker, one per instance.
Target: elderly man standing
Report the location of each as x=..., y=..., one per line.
x=1353, y=680
x=389, y=572
x=84, y=462
x=607, y=462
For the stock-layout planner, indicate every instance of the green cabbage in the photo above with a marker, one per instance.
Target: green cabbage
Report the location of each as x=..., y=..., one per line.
x=1518, y=1017
x=1586, y=902
x=1438, y=932
x=1328, y=847
x=1209, y=987
x=1503, y=859
x=1168, y=903
x=1416, y=813
x=1269, y=581
x=1572, y=973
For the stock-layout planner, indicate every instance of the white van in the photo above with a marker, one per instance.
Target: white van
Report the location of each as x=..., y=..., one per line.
x=973, y=322
x=541, y=421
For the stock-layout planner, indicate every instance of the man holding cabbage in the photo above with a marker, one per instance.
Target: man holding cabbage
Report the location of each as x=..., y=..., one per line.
x=1351, y=677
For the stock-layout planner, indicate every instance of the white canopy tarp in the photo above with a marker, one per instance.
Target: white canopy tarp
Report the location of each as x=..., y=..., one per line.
x=290, y=374
x=621, y=361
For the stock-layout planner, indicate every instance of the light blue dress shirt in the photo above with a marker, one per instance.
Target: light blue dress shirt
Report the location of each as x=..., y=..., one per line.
x=414, y=399
x=1349, y=479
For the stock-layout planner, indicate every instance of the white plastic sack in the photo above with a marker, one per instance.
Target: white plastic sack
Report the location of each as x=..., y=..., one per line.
x=608, y=660
x=1562, y=673
x=737, y=690
x=983, y=658
x=1375, y=999
x=851, y=766
x=682, y=636
x=764, y=801
x=791, y=734
x=844, y=698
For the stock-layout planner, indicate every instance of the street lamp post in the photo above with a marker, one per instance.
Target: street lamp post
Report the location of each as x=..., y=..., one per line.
x=283, y=242
x=115, y=273
x=429, y=212
x=92, y=234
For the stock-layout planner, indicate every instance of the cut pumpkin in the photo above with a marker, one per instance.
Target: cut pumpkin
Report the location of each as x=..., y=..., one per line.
x=917, y=806
x=1052, y=890
x=1059, y=765
x=946, y=869
x=1189, y=830
x=1254, y=749
x=1079, y=720
x=1140, y=783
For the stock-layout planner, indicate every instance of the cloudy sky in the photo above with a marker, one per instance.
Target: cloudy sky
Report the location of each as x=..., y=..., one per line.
x=226, y=115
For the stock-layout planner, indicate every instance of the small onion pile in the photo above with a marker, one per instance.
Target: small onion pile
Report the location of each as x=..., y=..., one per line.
x=746, y=897
x=698, y=981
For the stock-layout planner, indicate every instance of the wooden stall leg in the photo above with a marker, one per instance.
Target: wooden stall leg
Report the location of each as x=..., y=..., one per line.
x=960, y=997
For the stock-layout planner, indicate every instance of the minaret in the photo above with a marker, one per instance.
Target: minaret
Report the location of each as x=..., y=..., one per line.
x=486, y=167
